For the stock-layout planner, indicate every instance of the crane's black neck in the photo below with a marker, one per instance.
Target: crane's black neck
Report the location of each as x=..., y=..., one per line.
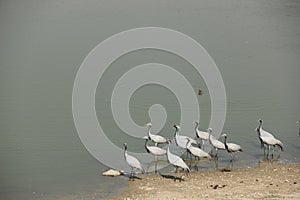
x=176, y=131
x=225, y=142
x=260, y=123
x=149, y=130
x=146, y=147
x=196, y=126
x=258, y=128
x=125, y=151
x=188, y=144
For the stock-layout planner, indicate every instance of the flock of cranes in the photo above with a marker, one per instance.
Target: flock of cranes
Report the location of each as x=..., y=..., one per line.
x=187, y=143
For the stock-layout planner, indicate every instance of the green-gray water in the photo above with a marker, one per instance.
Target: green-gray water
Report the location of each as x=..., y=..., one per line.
x=255, y=44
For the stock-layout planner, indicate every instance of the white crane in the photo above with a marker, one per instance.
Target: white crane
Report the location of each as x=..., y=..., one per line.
x=132, y=162
x=231, y=147
x=154, y=150
x=176, y=160
x=157, y=139
x=201, y=134
x=181, y=140
x=218, y=145
x=267, y=138
x=269, y=141
x=197, y=152
x=262, y=133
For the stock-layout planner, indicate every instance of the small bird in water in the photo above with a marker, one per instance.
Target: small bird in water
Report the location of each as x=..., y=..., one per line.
x=200, y=92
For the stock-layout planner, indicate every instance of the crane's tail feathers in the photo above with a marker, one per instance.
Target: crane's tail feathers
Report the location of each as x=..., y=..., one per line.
x=188, y=170
x=280, y=146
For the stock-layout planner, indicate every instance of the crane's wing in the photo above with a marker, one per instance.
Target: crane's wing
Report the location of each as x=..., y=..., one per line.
x=180, y=163
x=234, y=147
x=132, y=161
x=264, y=133
x=157, y=150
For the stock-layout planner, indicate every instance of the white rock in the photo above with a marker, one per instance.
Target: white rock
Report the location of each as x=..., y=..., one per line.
x=112, y=172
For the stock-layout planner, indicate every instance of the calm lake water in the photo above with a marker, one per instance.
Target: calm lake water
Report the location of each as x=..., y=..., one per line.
x=255, y=44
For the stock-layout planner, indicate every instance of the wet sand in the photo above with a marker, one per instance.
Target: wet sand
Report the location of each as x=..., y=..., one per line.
x=267, y=181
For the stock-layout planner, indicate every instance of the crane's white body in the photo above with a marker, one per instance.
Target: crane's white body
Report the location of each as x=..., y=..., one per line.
x=271, y=141
x=204, y=136
x=197, y=152
x=218, y=145
x=181, y=140
x=132, y=161
x=157, y=139
x=231, y=147
x=154, y=150
x=264, y=133
x=176, y=160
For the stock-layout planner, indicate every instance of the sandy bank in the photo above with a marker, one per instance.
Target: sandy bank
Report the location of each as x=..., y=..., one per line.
x=267, y=181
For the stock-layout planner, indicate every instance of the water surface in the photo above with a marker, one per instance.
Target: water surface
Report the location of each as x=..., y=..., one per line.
x=255, y=44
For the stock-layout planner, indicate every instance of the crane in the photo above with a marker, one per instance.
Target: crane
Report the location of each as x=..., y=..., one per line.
x=218, y=145
x=201, y=134
x=197, y=152
x=132, y=162
x=157, y=139
x=154, y=150
x=176, y=160
x=231, y=147
x=268, y=139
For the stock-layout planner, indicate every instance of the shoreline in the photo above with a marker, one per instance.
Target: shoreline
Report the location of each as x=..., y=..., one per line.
x=265, y=181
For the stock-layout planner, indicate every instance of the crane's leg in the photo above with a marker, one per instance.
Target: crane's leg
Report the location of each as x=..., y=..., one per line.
x=231, y=165
x=131, y=174
x=268, y=151
x=199, y=145
x=187, y=172
x=279, y=153
x=155, y=160
x=216, y=163
x=187, y=154
x=197, y=159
